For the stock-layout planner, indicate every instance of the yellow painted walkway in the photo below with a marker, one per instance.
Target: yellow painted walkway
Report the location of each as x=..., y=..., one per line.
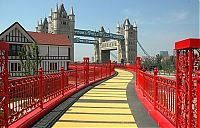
x=103, y=106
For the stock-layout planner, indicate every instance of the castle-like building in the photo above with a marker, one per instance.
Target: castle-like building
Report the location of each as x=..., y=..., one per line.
x=59, y=22
x=130, y=41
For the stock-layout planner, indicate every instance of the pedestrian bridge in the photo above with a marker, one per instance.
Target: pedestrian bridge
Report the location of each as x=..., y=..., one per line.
x=103, y=106
x=91, y=95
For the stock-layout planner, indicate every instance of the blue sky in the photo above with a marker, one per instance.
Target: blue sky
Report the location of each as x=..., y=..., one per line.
x=160, y=22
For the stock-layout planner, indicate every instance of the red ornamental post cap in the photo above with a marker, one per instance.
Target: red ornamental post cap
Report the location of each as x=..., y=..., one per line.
x=155, y=70
x=40, y=69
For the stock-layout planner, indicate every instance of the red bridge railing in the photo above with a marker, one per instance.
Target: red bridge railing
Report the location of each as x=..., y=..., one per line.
x=177, y=100
x=160, y=92
x=33, y=96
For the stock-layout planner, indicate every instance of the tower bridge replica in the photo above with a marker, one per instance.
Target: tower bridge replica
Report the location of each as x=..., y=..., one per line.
x=124, y=41
x=47, y=99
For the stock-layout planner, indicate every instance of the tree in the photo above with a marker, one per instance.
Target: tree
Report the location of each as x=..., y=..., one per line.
x=158, y=61
x=148, y=63
x=29, y=58
x=168, y=64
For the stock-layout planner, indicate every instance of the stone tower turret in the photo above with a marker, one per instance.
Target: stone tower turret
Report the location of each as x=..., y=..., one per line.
x=126, y=37
x=71, y=34
x=55, y=20
x=50, y=21
x=39, y=27
x=45, y=25
x=118, y=28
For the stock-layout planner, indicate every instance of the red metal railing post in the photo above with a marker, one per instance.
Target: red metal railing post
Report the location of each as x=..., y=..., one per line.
x=110, y=68
x=143, y=74
x=197, y=78
x=198, y=104
x=190, y=87
x=62, y=80
x=94, y=71
x=155, y=87
x=5, y=84
x=106, y=69
x=86, y=67
x=177, y=88
x=76, y=77
x=40, y=88
x=101, y=70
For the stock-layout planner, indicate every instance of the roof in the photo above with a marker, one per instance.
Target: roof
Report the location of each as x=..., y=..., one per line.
x=50, y=39
x=17, y=24
x=187, y=43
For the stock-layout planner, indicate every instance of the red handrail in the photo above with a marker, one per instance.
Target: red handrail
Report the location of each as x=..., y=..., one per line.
x=36, y=93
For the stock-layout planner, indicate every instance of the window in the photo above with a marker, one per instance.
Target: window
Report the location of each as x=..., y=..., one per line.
x=14, y=49
x=53, y=66
x=15, y=67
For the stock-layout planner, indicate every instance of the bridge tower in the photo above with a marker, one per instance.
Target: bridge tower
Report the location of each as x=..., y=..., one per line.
x=129, y=46
x=127, y=49
x=130, y=36
x=103, y=55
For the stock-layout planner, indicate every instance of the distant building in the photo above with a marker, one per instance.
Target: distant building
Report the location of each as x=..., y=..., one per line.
x=164, y=53
x=174, y=52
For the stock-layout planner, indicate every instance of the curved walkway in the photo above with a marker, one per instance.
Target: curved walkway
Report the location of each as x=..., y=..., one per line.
x=104, y=106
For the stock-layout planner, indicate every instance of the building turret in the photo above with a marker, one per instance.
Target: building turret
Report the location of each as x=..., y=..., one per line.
x=45, y=25
x=40, y=27
x=55, y=20
x=134, y=26
x=126, y=24
x=50, y=15
x=101, y=29
x=118, y=28
x=62, y=11
x=126, y=36
x=71, y=32
x=50, y=21
x=71, y=15
x=37, y=26
x=55, y=13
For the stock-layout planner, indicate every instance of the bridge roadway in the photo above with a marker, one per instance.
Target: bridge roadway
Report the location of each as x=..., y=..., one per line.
x=113, y=103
